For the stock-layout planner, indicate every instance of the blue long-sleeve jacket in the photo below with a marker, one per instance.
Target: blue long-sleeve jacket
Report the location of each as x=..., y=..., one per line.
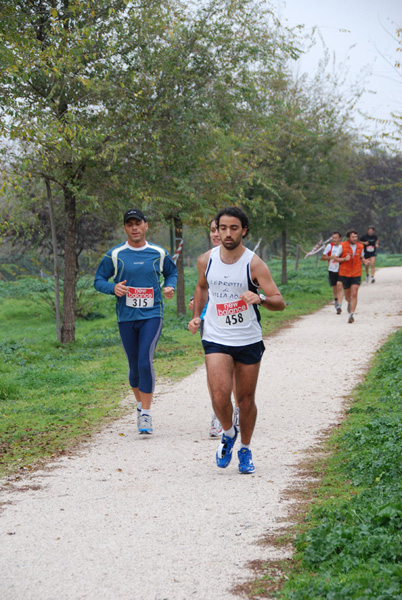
x=142, y=268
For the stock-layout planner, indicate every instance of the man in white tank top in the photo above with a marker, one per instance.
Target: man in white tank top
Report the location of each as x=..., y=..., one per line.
x=229, y=277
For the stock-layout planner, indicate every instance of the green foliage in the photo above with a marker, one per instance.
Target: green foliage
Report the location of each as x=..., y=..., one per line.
x=8, y=391
x=300, y=157
x=42, y=290
x=353, y=548
x=111, y=102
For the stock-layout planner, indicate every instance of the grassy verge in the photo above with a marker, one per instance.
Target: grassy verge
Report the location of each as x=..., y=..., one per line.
x=52, y=395
x=349, y=547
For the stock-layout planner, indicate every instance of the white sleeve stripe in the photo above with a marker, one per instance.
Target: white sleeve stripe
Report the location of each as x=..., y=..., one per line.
x=115, y=253
x=162, y=253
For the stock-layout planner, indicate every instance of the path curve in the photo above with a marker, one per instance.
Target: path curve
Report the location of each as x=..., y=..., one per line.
x=152, y=518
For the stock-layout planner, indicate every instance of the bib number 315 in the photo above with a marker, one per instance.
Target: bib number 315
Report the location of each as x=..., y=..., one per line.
x=140, y=297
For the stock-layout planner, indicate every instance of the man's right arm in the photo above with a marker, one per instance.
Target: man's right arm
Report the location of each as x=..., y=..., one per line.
x=200, y=293
x=340, y=258
x=326, y=254
x=103, y=273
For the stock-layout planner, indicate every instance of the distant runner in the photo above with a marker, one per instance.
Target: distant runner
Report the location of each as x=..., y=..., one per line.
x=350, y=269
x=370, y=243
x=229, y=277
x=334, y=249
x=136, y=267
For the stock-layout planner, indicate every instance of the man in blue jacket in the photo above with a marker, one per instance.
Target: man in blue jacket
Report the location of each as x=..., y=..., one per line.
x=135, y=267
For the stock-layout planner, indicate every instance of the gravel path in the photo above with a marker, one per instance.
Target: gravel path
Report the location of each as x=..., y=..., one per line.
x=130, y=517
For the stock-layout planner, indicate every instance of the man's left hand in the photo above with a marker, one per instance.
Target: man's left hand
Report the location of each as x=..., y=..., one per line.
x=250, y=298
x=168, y=292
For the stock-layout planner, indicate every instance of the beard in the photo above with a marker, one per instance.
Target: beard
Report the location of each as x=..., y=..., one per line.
x=231, y=244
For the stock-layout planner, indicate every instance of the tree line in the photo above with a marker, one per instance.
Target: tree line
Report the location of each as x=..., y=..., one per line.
x=179, y=109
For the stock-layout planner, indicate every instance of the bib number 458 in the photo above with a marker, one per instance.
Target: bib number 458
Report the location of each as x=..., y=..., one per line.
x=232, y=313
x=234, y=319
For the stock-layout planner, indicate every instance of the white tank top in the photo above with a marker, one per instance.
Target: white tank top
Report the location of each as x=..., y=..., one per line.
x=228, y=319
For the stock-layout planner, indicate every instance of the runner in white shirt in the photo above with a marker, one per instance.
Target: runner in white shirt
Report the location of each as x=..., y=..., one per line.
x=216, y=427
x=331, y=250
x=229, y=277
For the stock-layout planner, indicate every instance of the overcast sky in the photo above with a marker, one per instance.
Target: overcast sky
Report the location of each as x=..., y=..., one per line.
x=360, y=33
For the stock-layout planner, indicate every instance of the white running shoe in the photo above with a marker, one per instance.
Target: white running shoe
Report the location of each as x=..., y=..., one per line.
x=367, y=278
x=145, y=424
x=216, y=428
x=138, y=418
x=236, y=417
x=372, y=280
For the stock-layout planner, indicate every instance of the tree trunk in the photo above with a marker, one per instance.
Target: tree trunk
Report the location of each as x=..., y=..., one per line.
x=180, y=298
x=68, y=328
x=297, y=257
x=55, y=260
x=284, y=262
x=172, y=244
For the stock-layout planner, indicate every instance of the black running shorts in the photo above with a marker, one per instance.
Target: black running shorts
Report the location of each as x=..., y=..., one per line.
x=348, y=281
x=248, y=355
x=333, y=277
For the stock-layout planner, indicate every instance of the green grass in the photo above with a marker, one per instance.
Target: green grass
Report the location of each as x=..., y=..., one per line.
x=388, y=260
x=350, y=545
x=53, y=395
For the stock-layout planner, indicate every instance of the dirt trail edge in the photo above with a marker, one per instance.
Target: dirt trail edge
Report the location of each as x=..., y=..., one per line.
x=152, y=518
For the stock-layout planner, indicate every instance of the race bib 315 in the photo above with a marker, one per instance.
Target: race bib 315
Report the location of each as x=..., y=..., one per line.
x=140, y=297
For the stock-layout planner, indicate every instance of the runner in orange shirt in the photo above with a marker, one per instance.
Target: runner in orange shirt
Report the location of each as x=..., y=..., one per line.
x=350, y=269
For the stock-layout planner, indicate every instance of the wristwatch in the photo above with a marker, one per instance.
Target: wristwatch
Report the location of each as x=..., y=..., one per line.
x=262, y=298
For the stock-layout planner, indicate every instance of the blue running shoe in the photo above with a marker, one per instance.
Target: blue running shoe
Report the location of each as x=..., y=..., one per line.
x=224, y=451
x=245, y=461
x=145, y=424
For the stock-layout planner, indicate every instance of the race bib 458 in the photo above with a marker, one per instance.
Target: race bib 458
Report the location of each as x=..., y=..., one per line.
x=140, y=297
x=233, y=313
